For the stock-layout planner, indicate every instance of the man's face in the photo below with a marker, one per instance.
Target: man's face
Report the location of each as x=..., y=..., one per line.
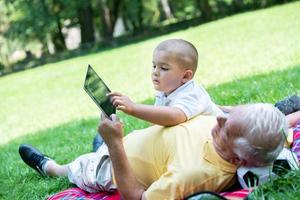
x=225, y=132
x=167, y=74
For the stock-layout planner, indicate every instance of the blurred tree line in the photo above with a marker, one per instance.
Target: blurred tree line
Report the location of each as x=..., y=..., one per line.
x=23, y=22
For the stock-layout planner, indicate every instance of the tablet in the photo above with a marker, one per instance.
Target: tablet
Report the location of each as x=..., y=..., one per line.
x=97, y=90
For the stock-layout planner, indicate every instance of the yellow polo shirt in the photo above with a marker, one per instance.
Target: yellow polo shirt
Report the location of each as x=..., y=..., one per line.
x=174, y=162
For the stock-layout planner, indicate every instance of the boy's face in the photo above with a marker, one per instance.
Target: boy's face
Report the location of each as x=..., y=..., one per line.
x=167, y=74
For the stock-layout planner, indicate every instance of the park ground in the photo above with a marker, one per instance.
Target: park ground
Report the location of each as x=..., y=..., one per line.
x=249, y=57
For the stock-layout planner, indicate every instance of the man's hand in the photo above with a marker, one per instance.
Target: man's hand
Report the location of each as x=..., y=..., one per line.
x=111, y=130
x=102, y=116
x=122, y=102
x=112, y=133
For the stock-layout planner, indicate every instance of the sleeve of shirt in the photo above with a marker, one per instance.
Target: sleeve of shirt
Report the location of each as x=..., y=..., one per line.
x=194, y=103
x=190, y=104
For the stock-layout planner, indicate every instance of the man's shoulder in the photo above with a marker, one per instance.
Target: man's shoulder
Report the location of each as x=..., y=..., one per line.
x=201, y=120
x=197, y=127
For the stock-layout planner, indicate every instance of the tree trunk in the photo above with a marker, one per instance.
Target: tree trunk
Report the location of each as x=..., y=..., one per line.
x=108, y=17
x=85, y=16
x=57, y=38
x=205, y=8
x=166, y=8
x=140, y=16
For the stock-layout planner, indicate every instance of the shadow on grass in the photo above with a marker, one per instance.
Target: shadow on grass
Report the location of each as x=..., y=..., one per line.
x=67, y=141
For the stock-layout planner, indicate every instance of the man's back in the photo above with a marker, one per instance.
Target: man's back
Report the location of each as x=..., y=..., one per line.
x=173, y=162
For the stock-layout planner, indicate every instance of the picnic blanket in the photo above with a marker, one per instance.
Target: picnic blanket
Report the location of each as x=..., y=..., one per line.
x=79, y=194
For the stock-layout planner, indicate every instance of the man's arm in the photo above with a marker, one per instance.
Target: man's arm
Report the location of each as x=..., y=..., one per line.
x=161, y=115
x=293, y=118
x=112, y=133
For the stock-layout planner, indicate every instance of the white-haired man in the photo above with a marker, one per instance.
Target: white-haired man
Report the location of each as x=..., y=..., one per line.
x=174, y=162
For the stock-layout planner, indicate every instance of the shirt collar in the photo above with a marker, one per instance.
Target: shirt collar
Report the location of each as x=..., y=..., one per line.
x=187, y=84
x=213, y=157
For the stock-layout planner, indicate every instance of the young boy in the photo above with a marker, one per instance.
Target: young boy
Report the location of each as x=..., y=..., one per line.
x=178, y=97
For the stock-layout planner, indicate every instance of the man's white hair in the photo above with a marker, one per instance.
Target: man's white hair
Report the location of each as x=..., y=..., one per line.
x=263, y=135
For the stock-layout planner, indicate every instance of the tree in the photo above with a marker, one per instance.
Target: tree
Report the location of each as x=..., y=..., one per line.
x=34, y=21
x=205, y=8
x=4, y=46
x=237, y=5
x=57, y=35
x=166, y=8
x=85, y=18
x=140, y=15
x=109, y=12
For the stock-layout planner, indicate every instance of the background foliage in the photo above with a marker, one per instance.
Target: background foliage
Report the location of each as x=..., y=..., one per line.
x=249, y=57
x=32, y=25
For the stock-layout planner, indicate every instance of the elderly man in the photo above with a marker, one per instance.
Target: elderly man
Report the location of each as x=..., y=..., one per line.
x=174, y=162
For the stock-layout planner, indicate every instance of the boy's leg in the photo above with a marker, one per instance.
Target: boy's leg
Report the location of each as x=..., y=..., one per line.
x=97, y=142
x=41, y=163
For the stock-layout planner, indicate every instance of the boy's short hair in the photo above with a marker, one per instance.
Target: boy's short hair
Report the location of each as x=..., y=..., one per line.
x=186, y=53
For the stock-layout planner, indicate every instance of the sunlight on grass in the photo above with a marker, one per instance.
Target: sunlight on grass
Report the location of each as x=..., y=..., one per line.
x=250, y=57
x=66, y=141
x=229, y=49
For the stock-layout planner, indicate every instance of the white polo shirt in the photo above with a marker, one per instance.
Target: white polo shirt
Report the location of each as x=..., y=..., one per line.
x=192, y=99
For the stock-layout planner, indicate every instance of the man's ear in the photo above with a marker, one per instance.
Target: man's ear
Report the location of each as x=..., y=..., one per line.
x=238, y=161
x=188, y=75
x=221, y=120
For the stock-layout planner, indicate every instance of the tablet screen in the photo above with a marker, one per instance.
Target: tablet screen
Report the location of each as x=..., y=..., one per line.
x=97, y=90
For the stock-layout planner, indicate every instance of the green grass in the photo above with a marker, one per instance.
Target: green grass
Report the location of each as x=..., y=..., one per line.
x=251, y=57
x=285, y=187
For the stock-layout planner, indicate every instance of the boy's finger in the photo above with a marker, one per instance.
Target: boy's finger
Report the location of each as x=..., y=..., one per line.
x=117, y=102
x=114, y=94
x=115, y=98
x=120, y=107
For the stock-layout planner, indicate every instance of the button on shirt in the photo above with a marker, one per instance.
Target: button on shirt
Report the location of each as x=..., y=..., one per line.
x=192, y=99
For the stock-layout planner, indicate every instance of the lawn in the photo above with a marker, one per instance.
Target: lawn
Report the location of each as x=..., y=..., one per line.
x=250, y=57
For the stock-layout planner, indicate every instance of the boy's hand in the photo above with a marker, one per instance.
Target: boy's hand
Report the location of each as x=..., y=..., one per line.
x=122, y=102
x=111, y=129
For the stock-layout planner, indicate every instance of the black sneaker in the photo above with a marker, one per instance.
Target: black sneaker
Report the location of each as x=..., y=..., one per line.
x=33, y=157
